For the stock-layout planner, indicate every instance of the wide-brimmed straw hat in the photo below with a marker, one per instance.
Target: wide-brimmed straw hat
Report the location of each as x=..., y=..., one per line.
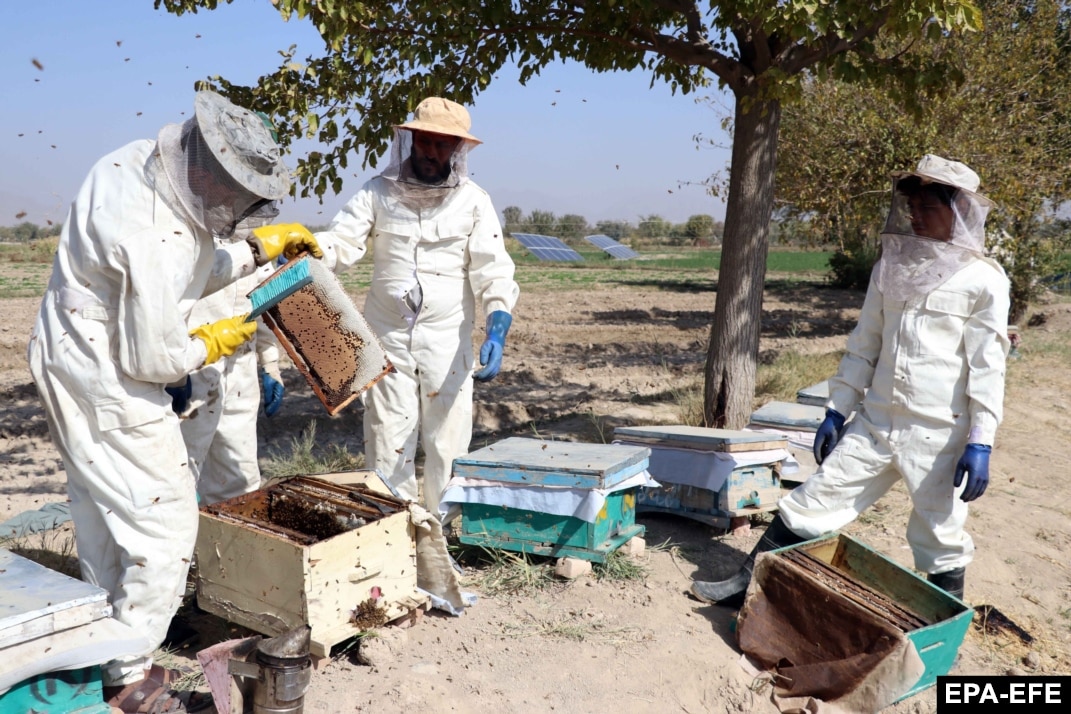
x=935, y=169
x=441, y=116
x=243, y=145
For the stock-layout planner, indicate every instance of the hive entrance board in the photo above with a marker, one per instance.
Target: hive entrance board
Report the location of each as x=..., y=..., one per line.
x=328, y=339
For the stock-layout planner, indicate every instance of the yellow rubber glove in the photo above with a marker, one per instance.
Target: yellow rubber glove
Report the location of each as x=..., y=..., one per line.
x=223, y=337
x=287, y=239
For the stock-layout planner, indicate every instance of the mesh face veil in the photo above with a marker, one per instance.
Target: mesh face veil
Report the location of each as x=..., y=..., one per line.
x=428, y=190
x=933, y=230
x=204, y=191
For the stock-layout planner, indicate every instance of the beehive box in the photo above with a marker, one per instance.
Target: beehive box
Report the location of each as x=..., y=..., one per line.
x=746, y=490
x=933, y=620
x=336, y=552
x=534, y=462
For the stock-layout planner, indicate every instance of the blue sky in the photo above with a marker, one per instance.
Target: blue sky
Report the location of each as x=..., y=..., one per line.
x=605, y=146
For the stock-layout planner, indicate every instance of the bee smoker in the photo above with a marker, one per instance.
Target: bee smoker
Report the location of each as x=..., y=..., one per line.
x=280, y=670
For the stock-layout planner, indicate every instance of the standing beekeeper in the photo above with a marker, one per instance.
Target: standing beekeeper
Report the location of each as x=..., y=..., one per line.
x=135, y=253
x=220, y=404
x=924, y=373
x=438, y=253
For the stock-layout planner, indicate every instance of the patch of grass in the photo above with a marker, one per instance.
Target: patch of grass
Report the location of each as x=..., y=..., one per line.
x=790, y=372
x=619, y=567
x=194, y=679
x=54, y=549
x=502, y=572
x=689, y=401
x=577, y=626
x=303, y=459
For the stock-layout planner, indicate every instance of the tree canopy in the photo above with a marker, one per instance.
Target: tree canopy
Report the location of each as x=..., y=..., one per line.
x=381, y=58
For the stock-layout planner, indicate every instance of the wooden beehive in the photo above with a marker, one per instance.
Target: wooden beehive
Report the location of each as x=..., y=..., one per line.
x=745, y=491
x=556, y=464
x=336, y=552
x=933, y=620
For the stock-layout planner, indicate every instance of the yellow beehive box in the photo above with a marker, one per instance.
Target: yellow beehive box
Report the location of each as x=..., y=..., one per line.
x=336, y=552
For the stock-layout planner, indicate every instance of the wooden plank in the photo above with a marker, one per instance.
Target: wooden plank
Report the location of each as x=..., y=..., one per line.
x=554, y=463
x=35, y=600
x=789, y=415
x=701, y=438
x=815, y=395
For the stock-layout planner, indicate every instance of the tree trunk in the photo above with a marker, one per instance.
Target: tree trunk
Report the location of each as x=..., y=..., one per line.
x=729, y=376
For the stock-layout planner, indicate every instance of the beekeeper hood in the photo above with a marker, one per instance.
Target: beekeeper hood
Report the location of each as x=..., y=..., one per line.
x=936, y=227
x=220, y=164
x=443, y=127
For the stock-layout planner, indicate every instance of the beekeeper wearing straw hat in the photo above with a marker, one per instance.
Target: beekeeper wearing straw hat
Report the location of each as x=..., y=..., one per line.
x=136, y=252
x=439, y=254
x=924, y=374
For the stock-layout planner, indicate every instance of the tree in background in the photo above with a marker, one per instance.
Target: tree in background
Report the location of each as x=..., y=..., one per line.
x=27, y=232
x=511, y=218
x=618, y=230
x=699, y=228
x=571, y=228
x=653, y=227
x=1010, y=120
x=382, y=58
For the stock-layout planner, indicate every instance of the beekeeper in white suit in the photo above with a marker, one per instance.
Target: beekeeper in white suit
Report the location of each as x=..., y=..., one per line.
x=135, y=253
x=924, y=372
x=438, y=253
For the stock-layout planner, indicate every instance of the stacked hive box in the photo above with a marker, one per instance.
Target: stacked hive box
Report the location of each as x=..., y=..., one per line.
x=709, y=475
x=559, y=481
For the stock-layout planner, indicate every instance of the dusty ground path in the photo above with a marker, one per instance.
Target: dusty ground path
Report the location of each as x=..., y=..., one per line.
x=581, y=360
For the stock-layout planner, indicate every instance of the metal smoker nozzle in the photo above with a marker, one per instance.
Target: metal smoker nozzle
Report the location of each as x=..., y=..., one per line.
x=289, y=645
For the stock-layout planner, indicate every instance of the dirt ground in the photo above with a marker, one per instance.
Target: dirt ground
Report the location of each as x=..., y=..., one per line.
x=618, y=352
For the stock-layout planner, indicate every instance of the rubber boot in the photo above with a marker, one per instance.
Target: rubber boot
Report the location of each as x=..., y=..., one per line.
x=731, y=591
x=950, y=581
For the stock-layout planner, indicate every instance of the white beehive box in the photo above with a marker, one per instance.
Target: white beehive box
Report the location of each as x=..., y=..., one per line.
x=272, y=578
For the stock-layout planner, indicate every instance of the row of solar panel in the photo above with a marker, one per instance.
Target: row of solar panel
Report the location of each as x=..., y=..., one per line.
x=548, y=248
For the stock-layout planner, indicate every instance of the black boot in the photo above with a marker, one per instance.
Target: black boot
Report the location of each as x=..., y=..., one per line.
x=731, y=591
x=951, y=581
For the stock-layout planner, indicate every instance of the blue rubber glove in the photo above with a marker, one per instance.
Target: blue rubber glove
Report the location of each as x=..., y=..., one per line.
x=180, y=396
x=273, y=393
x=828, y=434
x=975, y=464
x=498, y=323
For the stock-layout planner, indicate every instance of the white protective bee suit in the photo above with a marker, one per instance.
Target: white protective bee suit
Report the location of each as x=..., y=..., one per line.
x=438, y=253
x=924, y=372
x=219, y=424
x=136, y=252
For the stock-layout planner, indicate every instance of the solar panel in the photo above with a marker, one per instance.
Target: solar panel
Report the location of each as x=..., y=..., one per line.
x=611, y=246
x=547, y=248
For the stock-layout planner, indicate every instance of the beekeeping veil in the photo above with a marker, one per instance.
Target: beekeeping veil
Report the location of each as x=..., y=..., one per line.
x=436, y=116
x=219, y=166
x=936, y=227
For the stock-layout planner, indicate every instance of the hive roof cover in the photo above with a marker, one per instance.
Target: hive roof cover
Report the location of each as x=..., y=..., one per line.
x=611, y=246
x=547, y=248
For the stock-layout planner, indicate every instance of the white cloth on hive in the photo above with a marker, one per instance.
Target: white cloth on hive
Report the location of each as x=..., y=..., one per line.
x=796, y=438
x=582, y=503
x=710, y=469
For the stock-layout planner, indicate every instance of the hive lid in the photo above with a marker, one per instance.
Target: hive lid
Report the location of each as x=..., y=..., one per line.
x=522, y=460
x=701, y=438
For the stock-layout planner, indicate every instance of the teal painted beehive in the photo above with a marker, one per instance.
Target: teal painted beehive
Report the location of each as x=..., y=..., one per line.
x=681, y=454
x=944, y=619
x=69, y=691
x=533, y=462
